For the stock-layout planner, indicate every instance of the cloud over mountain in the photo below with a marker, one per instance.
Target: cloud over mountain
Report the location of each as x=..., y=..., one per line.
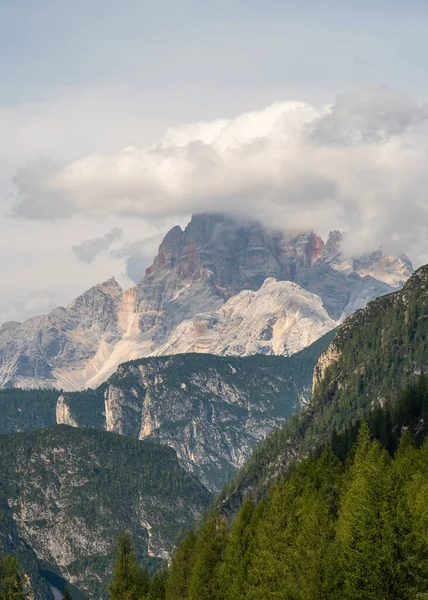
x=357, y=165
x=88, y=250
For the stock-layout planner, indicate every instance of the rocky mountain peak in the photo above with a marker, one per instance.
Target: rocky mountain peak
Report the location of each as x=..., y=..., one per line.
x=332, y=245
x=238, y=254
x=202, y=293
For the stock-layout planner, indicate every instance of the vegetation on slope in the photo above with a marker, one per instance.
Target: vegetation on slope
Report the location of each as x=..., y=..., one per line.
x=70, y=491
x=23, y=410
x=349, y=529
x=375, y=353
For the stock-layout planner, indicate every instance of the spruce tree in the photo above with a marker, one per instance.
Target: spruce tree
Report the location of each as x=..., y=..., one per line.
x=129, y=581
x=412, y=521
x=182, y=563
x=157, y=587
x=365, y=530
x=67, y=595
x=204, y=581
x=13, y=584
x=233, y=570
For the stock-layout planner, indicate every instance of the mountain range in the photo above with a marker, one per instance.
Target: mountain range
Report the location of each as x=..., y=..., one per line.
x=219, y=286
x=242, y=352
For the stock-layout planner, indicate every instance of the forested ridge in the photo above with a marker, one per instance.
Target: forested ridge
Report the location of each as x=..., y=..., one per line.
x=348, y=523
x=377, y=352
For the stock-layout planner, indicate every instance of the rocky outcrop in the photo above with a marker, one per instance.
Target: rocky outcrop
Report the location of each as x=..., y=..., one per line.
x=278, y=319
x=211, y=410
x=202, y=274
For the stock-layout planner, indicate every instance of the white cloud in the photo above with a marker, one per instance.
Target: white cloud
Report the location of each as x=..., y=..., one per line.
x=37, y=302
x=358, y=165
x=138, y=256
x=88, y=250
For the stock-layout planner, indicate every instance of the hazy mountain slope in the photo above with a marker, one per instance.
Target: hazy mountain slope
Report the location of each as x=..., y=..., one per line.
x=70, y=491
x=196, y=271
x=375, y=353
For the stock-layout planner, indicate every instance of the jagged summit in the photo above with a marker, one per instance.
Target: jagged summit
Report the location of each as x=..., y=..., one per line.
x=235, y=254
x=203, y=293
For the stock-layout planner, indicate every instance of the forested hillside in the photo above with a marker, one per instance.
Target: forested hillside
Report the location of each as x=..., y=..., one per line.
x=23, y=410
x=375, y=353
x=66, y=493
x=348, y=524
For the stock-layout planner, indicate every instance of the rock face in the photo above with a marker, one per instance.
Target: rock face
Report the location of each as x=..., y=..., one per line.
x=212, y=410
x=278, y=319
x=200, y=276
x=70, y=491
x=32, y=353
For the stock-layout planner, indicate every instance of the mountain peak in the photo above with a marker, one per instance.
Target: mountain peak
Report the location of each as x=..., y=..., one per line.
x=110, y=285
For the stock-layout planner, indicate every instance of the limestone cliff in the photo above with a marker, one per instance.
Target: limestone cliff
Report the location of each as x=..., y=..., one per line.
x=212, y=410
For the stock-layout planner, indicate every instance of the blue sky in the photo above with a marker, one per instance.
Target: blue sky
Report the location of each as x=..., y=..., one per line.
x=95, y=76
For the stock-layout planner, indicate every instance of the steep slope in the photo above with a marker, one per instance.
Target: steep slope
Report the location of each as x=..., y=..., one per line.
x=70, y=491
x=375, y=353
x=279, y=319
x=32, y=353
x=195, y=273
x=211, y=410
x=348, y=522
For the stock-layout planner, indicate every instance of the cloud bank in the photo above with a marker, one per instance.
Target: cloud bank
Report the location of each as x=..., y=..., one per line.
x=138, y=256
x=358, y=165
x=37, y=302
x=88, y=250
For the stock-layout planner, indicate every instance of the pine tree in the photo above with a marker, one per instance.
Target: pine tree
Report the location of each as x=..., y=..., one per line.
x=204, y=580
x=157, y=587
x=365, y=529
x=181, y=568
x=67, y=595
x=129, y=581
x=234, y=568
x=13, y=585
x=412, y=520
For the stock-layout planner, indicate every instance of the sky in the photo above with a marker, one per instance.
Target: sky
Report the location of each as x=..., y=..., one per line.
x=120, y=119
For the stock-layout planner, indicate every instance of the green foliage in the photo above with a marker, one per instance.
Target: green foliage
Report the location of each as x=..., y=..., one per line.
x=157, y=589
x=204, y=581
x=181, y=567
x=129, y=581
x=332, y=530
x=234, y=568
x=22, y=410
x=12, y=579
x=67, y=595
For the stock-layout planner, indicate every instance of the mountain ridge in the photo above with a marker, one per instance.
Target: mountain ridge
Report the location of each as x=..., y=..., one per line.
x=198, y=271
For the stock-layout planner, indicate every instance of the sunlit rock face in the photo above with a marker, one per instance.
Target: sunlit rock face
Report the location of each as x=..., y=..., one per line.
x=205, y=292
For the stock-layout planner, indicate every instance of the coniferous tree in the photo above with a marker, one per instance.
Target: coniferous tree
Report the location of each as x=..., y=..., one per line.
x=412, y=518
x=365, y=527
x=232, y=573
x=13, y=584
x=210, y=545
x=129, y=581
x=157, y=589
x=67, y=595
x=181, y=568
